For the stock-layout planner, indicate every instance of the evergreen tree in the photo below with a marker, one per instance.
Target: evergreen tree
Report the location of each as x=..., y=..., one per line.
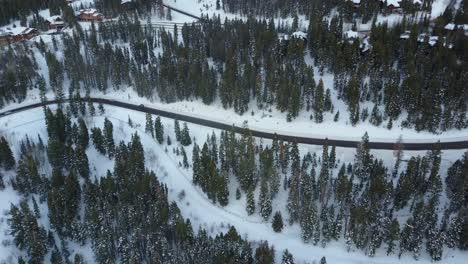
x=27, y=233
x=223, y=189
x=7, y=160
x=287, y=258
x=109, y=137
x=98, y=140
x=101, y=109
x=184, y=158
x=264, y=254
x=159, y=130
x=185, y=139
x=250, y=207
x=319, y=102
x=81, y=162
x=149, y=128
x=177, y=131
x=83, y=135
x=264, y=201
x=392, y=234
x=277, y=223
x=323, y=260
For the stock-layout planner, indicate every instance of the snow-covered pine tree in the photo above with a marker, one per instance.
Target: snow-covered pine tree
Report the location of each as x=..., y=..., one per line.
x=159, y=130
x=250, y=206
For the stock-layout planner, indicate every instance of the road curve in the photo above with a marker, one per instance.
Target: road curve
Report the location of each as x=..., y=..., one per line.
x=255, y=133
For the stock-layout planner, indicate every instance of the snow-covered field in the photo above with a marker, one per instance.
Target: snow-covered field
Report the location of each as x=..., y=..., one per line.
x=195, y=205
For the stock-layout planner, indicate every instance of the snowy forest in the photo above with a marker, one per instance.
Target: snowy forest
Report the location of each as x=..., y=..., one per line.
x=244, y=61
x=85, y=182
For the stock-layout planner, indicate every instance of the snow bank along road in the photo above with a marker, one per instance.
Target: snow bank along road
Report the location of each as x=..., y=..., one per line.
x=261, y=134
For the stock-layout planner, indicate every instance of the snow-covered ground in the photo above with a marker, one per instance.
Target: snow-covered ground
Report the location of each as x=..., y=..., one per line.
x=195, y=205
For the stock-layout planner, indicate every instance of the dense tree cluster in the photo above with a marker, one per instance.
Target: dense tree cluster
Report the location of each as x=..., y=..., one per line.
x=240, y=61
x=366, y=9
x=125, y=214
x=15, y=9
x=361, y=202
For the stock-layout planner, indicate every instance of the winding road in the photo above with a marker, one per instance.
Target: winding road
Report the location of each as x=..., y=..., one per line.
x=261, y=134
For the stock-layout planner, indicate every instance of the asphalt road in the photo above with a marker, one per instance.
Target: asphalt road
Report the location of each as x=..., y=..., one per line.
x=255, y=133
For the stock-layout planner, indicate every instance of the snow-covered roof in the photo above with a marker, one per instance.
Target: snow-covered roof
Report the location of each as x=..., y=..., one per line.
x=4, y=33
x=88, y=11
x=351, y=34
x=450, y=26
x=18, y=31
x=395, y=3
x=299, y=34
x=405, y=35
x=125, y=1
x=365, y=45
x=56, y=20
x=433, y=40
x=422, y=37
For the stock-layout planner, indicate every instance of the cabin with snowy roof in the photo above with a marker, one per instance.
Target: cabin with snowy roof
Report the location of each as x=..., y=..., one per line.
x=356, y=3
x=4, y=37
x=55, y=22
x=90, y=14
x=10, y=35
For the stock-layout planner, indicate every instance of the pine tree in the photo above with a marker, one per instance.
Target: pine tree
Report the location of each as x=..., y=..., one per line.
x=392, y=234
x=159, y=130
x=130, y=122
x=324, y=177
x=28, y=180
x=264, y=201
x=309, y=222
x=102, y=111
x=287, y=258
x=92, y=109
x=83, y=135
x=184, y=158
x=250, y=207
x=319, y=102
x=332, y=158
x=149, y=128
x=223, y=190
x=323, y=260
x=238, y=194
x=56, y=257
x=277, y=223
x=7, y=160
x=196, y=165
x=185, y=139
x=435, y=243
x=27, y=233
x=327, y=104
x=264, y=254
x=109, y=137
x=336, y=117
x=98, y=140
x=177, y=130
x=2, y=183
x=81, y=162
